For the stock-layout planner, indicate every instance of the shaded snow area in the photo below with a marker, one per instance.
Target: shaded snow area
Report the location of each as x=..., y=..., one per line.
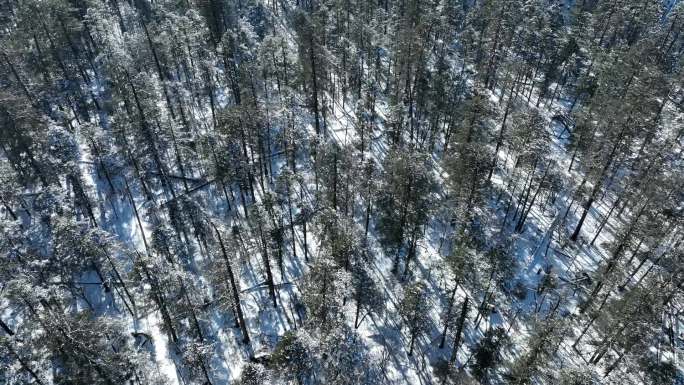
x=341, y=192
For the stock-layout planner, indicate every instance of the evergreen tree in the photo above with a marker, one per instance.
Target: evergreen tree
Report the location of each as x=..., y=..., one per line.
x=413, y=308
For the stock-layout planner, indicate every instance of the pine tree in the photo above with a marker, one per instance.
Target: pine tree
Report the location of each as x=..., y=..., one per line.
x=487, y=353
x=414, y=308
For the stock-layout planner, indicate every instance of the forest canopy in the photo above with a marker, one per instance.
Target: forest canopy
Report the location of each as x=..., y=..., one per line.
x=343, y=192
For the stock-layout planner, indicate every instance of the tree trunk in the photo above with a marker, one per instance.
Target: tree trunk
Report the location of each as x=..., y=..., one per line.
x=605, y=220
x=599, y=182
x=25, y=365
x=6, y=328
x=499, y=140
x=315, y=86
x=459, y=331
x=267, y=266
x=411, y=343
x=448, y=315
x=578, y=228
x=526, y=212
x=234, y=288
x=160, y=72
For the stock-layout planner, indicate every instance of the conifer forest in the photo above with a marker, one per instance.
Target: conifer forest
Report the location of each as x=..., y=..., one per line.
x=341, y=192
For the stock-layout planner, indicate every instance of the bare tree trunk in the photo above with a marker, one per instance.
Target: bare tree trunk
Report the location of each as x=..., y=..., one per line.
x=315, y=86
x=234, y=288
x=448, y=315
x=459, y=331
x=267, y=266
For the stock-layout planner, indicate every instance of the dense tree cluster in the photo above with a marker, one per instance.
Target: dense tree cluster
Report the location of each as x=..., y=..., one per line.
x=341, y=192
